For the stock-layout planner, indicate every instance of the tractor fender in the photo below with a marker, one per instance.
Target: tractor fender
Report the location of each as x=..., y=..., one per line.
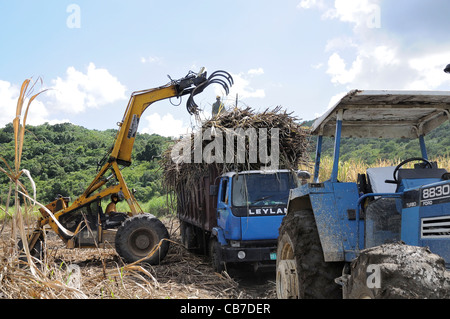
x=329, y=203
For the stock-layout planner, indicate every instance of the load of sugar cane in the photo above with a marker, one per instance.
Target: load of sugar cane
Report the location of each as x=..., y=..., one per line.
x=239, y=140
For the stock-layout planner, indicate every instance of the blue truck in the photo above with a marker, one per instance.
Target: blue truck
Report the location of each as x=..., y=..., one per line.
x=385, y=235
x=234, y=217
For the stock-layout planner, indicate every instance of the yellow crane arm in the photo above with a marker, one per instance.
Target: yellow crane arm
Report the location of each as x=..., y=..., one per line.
x=138, y=103
x=192, y=84
x=120, y=154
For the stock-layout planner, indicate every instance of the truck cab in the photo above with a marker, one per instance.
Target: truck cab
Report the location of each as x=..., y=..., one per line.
x=250, y=208
x=235, y=217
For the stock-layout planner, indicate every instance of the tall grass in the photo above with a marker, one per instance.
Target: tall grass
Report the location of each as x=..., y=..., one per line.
x=22, y=204
x=349, y=170
x=161, y=205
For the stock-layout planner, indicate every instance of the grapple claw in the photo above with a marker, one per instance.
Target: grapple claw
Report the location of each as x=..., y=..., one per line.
x=220, y=77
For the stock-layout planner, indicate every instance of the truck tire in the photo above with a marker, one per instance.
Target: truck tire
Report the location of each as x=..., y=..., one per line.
x=139, y=236
x=397, y=271
x=300, y=254
x=187, y=235
x=216, y=256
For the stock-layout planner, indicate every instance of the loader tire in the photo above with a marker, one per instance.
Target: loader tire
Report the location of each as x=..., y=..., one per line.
x=142, y=237
x=300, y=254
x=35, y=252
x=397, y=271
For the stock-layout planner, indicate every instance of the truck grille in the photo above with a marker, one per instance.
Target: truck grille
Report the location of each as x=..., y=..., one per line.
x=435, y=227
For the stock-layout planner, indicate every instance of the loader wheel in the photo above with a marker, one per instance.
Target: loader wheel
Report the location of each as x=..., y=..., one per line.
x=35, y=251
x=300, y=257
x=139, y=236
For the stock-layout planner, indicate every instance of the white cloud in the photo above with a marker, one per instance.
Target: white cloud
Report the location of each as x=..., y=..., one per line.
x=151, y=59
x=71, y=95
x=429, y=69
x=37, y=113
x=373, y=57
x=79, y=91
x=361, y=13
x=317, y=66
x=165, y=125
x=308, y=4
x=258, y=71
x=242, y=85
x=338, y=70
x=8, y=102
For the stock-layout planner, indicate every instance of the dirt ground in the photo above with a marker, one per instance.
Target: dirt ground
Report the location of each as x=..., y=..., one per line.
x=102, y=275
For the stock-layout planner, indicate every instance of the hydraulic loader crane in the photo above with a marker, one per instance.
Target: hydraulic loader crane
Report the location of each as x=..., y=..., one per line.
x=136, y=235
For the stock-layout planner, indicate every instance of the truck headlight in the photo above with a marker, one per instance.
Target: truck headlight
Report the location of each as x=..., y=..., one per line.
x=241, y=254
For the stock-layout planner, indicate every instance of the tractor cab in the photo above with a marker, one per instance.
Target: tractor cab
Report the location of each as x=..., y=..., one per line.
x=386, y=204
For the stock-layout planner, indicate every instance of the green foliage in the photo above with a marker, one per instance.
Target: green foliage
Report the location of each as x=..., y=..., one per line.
x=160, y=206
x=63, y=159
x=371, y=151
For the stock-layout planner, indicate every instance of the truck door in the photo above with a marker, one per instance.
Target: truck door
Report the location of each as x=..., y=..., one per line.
x=225, y=219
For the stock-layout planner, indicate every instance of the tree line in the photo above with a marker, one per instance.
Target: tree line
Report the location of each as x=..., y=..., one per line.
x=370, y=151
x=63, y=160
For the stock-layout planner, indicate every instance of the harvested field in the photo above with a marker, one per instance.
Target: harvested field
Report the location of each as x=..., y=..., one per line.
x=181, y=275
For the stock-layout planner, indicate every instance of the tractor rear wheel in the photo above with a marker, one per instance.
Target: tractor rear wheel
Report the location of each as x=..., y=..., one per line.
x=142, y=237
x=301, y=269
x=397, y=271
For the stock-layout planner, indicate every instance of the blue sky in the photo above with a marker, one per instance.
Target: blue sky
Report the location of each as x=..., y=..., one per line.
x=300, y=54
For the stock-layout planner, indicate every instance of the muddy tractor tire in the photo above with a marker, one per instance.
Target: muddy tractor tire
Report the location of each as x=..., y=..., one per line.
x=396, y=271
x=302, y=272
x=142, y=236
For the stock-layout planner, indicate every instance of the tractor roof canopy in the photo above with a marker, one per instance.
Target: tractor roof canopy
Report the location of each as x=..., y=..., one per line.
x=386, y=114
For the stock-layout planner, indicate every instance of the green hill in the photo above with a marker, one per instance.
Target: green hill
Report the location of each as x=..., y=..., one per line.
x=63, y=159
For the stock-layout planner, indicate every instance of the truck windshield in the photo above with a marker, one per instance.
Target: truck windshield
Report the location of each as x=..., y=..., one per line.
x=255, y=189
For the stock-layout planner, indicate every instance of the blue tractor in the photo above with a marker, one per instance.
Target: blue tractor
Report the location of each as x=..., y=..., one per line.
x=386, y=235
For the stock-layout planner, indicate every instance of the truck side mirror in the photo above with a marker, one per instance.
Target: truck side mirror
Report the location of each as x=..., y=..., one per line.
x=303, y=176
x=213, y=190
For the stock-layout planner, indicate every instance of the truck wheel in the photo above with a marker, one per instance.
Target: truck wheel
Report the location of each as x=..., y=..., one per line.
x=397, y=271
x=139, y=236
x=216, y=256
x=300, y=254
